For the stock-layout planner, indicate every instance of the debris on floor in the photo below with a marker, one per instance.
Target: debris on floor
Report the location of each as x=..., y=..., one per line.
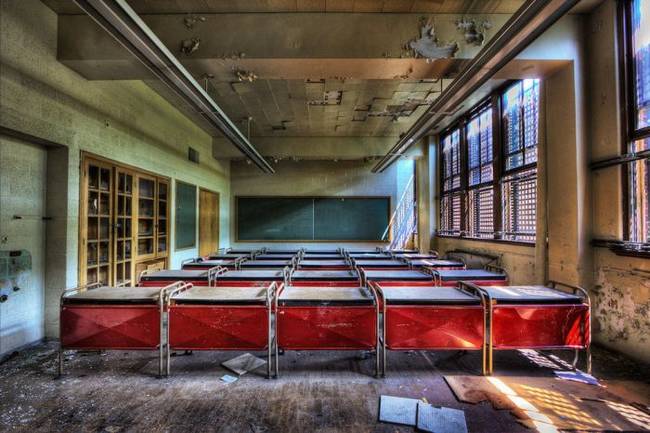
x=547, y=402
x=398, y=410
x=228, y=378
x=577, y=376
x=242, y=364
x=440, y=419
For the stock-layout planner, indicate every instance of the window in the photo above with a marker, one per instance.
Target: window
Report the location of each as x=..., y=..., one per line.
x=451, y=161
x=520, y=107
x=480, y=151
x=479, y=147
x=484, y=196
x=520, y=114
x=481, y=207
x=637, y=85
x=640, y=44
x=520, y=206
x=451, y=201
x=450, y=215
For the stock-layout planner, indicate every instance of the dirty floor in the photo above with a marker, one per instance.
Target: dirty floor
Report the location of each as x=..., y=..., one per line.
x=316, y=391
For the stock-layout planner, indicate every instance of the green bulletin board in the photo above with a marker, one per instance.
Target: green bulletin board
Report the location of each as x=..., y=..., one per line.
x=185, y=224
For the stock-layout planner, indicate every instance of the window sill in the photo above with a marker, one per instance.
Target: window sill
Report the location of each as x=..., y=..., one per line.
x=624, y=248
x=496, y=241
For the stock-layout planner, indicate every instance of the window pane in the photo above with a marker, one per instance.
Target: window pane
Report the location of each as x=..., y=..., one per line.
x=531, y=114
x=479, y=147
x=474, y=142
x=451, y=160
x=640, y=195
x=641, y=50
x=519, y=206
x=481, y=205
x=450, y=208
x=520, y=123
x=511, y=101
x=514, y=161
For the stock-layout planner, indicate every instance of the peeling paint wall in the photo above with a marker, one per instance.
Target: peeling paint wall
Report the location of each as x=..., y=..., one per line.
x=122, y=120
x=621, y=303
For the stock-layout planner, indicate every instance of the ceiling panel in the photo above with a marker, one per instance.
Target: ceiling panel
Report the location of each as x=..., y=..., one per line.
x=300, y=108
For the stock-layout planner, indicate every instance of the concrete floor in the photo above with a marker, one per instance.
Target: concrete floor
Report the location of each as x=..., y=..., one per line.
x=316, y=391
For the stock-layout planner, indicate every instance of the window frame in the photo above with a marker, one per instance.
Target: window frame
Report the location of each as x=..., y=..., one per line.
x=460, y=190
x=499, y=173
x=471, y=115
x=525, y=166
x=476, y=112
x=446, y=133
x=629, y=115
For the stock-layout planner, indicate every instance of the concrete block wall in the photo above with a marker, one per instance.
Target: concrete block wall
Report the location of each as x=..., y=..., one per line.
x=23, y=187
x=125, y=121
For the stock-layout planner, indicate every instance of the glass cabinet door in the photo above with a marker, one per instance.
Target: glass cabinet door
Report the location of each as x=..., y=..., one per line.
x=123, y=227
x=162, y=218
x=146, y=216
x=98, y=214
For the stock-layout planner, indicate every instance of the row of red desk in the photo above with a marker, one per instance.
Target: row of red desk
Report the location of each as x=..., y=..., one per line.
x=226, y=309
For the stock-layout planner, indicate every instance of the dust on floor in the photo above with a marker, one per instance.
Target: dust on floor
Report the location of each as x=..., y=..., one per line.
x=316, y=391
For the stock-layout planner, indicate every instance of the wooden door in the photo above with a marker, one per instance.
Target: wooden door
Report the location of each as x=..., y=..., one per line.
x=208, y=222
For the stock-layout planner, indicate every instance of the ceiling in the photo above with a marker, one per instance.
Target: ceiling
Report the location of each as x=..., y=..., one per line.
x=303, y=85
x=252, y=6
x=326, y=107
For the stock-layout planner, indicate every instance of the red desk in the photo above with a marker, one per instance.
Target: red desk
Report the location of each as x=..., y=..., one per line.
x=221, y=318
x=432, y=318
x=327, y=318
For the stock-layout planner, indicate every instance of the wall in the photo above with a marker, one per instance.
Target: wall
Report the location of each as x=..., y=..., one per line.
x=319, y=178
x=125, y=121
x=22, y=192
x=621, y=285
x=581, y=105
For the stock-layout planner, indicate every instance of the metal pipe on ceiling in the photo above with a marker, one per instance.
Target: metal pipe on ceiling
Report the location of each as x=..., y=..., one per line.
x=531, y=20
x=121, y=22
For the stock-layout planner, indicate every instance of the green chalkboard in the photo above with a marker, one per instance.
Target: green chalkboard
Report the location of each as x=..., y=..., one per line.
x=274, y=218
x=312, y=218
x=351, y=219
x=185, y=225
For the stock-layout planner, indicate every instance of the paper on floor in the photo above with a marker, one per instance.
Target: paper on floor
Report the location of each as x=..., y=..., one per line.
x=440, y=419
x=398, y=410
x=242, y=364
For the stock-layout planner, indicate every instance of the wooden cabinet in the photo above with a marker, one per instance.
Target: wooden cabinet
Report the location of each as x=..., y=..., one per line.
x=124, y=222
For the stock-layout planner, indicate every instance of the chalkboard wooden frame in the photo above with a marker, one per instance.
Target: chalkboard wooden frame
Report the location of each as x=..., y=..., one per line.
x=236, y=206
